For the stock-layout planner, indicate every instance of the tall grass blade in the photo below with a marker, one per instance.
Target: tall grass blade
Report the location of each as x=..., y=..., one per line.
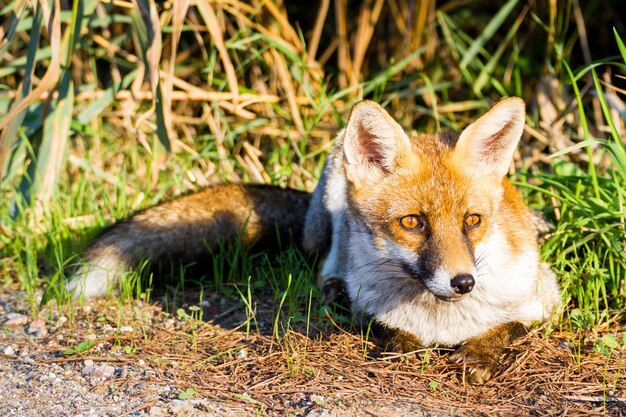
x=10, y=25
x=583, y=123
x=56, y=126
x=49, y=79
x=487, y=71
x=96, y=107
x=10, y=133
x=616, y=147
x=151, y=44
x=208, y=15
x=620, y=44
x=488, y=32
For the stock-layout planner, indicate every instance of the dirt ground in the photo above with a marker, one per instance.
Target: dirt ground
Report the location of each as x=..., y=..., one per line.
x=108, y=359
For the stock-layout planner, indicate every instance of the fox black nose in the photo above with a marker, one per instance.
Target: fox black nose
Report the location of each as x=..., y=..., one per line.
x=463, y=283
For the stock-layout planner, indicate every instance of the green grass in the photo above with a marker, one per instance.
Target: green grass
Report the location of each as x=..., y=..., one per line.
x=106, y=168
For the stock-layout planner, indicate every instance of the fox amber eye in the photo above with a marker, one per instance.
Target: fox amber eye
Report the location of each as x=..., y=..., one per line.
x=472, y=220
x=412, y=222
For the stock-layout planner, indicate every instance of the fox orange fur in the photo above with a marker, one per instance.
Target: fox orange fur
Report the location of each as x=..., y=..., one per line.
x=425, y=233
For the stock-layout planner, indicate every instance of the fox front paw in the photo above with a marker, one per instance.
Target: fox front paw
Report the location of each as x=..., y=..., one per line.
x=334, y=291
x=479, y=365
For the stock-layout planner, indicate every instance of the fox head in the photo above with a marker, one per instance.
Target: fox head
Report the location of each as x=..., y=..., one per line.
x=426, y=202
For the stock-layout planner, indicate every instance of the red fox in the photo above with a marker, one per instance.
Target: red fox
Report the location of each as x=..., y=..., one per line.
x=426, y=234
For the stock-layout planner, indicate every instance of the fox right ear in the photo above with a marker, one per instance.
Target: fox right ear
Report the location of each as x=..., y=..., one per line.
x=372, y=142
x=486, y=146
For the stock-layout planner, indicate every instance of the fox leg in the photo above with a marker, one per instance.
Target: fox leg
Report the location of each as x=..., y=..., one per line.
x=393, y=339
x=331, y=276
x=324, y=226
x=481, y=354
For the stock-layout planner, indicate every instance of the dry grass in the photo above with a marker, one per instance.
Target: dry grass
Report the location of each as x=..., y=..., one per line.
x=336, y=368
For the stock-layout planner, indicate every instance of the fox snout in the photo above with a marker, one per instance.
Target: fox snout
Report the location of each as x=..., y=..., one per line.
x=442, y=284
x=450, y=289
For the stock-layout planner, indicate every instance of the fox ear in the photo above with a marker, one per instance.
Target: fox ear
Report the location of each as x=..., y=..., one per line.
x=372, y=141
x=487, y=145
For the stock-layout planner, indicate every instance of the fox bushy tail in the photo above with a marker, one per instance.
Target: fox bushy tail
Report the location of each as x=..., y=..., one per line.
x=185, y=227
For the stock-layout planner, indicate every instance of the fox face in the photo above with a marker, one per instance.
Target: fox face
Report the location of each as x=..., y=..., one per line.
x=431, y=218
x=428, y=203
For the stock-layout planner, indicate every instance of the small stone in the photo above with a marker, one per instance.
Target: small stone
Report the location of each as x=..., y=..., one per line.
x=109, y=371
x=565, y=345
x=88, y=362
x=62, y=320
x=106, y=371
x=88, y=370
x=37, y=324
x=9, y=350
x=126, y=329
x=178, y=406
x=37, y=333
x=242, y=354
x=16, y=320
x=318, y=399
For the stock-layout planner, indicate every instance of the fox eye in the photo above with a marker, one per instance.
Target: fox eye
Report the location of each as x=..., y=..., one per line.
x=472, y=220
x=412, y=222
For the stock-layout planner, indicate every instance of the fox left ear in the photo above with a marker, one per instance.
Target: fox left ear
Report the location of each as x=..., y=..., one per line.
x=373, y=143
x=487, y=145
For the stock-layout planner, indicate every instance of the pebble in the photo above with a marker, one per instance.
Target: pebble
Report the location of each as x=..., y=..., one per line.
x=126, y=329
x=16, y=320
x=318, y=399
x=9, y=350
x=178, y=406
x=37, y=332
x=37, y=324
x=106, y=371
x=87, y=370
x=565, y=345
